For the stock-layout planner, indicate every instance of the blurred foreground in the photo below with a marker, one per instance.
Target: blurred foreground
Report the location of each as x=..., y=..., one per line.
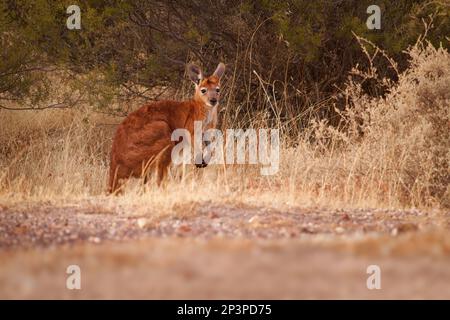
x=219, y=252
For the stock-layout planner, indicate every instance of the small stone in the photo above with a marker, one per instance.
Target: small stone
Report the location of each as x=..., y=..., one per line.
x=339, y=230
x=254, y=219
x=184, y=228
x=94, y=239
x=142, y=222
x=213, y=215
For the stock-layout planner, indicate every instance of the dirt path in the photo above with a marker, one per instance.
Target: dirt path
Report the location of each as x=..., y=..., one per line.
x=224, y=252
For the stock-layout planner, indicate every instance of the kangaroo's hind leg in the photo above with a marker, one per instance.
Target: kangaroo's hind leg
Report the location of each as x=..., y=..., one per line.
x=163, y=162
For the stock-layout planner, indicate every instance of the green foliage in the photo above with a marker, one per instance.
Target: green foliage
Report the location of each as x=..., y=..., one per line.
x=303, y=49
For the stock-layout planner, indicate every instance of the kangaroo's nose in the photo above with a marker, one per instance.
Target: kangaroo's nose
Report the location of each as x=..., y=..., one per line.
x=213, y=101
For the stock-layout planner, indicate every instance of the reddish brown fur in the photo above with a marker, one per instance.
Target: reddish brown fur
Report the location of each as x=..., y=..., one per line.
x=145, y=135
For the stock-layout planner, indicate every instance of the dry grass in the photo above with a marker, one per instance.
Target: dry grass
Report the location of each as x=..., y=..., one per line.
x=388, y=152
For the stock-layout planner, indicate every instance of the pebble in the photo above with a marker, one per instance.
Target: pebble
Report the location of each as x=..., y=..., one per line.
x=339, y=230
x=142, y=222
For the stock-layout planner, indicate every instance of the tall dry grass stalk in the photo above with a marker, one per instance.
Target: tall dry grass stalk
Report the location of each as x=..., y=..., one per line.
x=387, y=152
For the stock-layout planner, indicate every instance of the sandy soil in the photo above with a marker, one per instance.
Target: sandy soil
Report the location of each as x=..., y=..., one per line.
x=223, y=252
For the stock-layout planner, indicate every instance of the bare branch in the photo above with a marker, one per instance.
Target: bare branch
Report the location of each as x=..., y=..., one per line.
x=51, y=106
x=59, y=105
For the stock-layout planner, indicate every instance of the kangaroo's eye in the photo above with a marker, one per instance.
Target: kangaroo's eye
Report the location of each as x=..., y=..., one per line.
x=203, y=90
x=217, y=90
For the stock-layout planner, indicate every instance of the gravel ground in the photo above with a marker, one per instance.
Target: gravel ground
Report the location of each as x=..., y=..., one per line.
x=46, y=226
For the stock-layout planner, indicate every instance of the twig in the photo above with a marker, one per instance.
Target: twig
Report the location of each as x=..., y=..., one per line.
x=61, y=105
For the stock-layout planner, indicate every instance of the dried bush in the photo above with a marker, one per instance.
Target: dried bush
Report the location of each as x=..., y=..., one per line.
x=398, y=143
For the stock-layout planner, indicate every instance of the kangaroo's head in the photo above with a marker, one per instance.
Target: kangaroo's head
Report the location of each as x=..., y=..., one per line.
x=207, y=89
x=207, y=92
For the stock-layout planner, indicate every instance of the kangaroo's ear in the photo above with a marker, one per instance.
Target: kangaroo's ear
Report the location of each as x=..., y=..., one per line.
x=194, y=73
x=219, y=70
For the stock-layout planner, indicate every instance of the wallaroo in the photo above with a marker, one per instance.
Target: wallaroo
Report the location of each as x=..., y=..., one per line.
x=143, y=140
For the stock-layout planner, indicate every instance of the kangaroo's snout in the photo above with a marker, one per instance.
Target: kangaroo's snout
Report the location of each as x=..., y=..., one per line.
x=213, y=101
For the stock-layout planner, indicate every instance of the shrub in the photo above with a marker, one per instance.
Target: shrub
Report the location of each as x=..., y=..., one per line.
x=399, y=143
